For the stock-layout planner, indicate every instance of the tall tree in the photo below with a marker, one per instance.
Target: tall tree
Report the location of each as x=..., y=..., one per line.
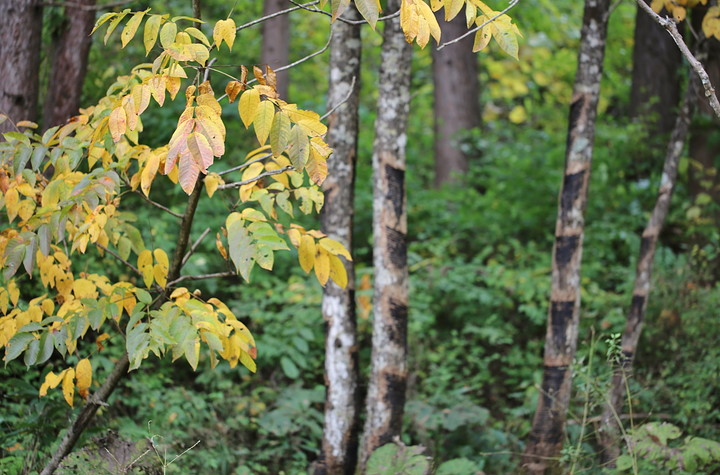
x=388, y=374
x=276, y=42
x=546, y=436
x=20, y=53
x=340, y=433
x=69, y=52
x=641, y=291
x=655, y=91
x=457, y=105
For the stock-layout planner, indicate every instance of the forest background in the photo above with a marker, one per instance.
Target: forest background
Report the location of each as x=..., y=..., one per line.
x=479, y=261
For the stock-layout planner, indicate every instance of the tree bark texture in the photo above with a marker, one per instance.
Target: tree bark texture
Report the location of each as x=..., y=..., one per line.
x=70, y=48
x=340, y=431
x=388, y=374
x=609, y=437
x=20, y=52
x=457, y=105
x=548, y=428
x=276, y=42
x=655, y=91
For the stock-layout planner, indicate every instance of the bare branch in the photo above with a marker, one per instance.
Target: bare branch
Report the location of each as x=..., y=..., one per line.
x=194, y=246
x=343, y=101
x=671, y=28
x=238, y=184
x=240, y=167
x=276, y=14
x=201, y=277
x=349, y=22
x=158, y=205
x=477, y=28
x=117, y=256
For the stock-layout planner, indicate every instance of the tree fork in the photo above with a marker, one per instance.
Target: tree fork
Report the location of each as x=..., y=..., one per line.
x=608, y=434
x=548, y=428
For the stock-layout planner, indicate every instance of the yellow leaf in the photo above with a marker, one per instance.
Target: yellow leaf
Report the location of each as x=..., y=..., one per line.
x=483, y=36
x=426, y=13
x=152, y=28
x=248, y=106
x=161, y=267
x=117, y=123
x=279, y=133
x=131, y=28
x=211, y=183
x=518, y=115
x=334, y=247
x=224, y=31
x=168, y=32
x=337, y=272
x=83, y=288
x=145, y=265
x=232, y=89
x=711, y=23
x=83, y=376
x=306, y=253
x=370, y=10
x=68, y=388
x=149, y=171
x=197, y=34
x=322, y=266
x=51, y=381
x=452, y=8
x=12, y=203
x=295, y=237
x=263, y=120
x=200, y=150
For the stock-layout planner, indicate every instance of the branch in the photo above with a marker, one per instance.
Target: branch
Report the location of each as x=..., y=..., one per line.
x=117, y=256
x=238, y=184
x=158, y=205
x=349, y=22
x=276, y=14
x=477, y=28
x=194, y=246
x=671, y=28
x=343, y=101
x=201, y=277
x=240, y=167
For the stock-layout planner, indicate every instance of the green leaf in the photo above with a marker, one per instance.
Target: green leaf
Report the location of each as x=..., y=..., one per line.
x=31, y=353
x=17, y=345
x=396, y=459
x=299, y=147
x=137, y=344
x=46, y=348
x=279, y=133
x=242, y=252
x=289, y=368
x=143, y=296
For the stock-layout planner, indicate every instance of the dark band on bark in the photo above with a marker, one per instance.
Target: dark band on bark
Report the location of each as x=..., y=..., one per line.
x=573, y=118
x=572, y=186
x=397, y=329
x=394, y=397
x=395, y=189
x=565, y=249
x=397, y=248
x=550, y=430
x=561, y=314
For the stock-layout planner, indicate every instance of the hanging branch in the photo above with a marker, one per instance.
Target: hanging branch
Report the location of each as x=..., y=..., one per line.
x=477, y=28
x=697, y=66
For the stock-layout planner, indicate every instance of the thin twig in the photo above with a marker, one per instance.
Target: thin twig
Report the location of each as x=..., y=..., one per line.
x=276, y=14
x=240, y=167
x=194, y=246
x=214, y=275
x=671, y=28
x=349, y=22
x=477, y=28
x=158, y=205
x=81, y=6
x=117, y=256
x=238, y=184
x=186, y=451
x=343, y=101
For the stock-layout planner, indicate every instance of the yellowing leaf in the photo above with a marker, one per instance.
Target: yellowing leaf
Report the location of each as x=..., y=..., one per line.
x=322, y=266
x=83, y=377
x=224, y=31
x=211, y=183
x=452, y=8
x=152, y=28
x=295, y=237
x=711, y=23
x=370, y=10
x=161, y=267
x=117, y=123
x=51, y=381
x=518, y=115
x=334, y=247
x=338, y=7
x=68, y=388
x=232, y=89
x=149, y=171
x=145, y=266
x=337, y=272
x=168, y=32
x=131, y=28
x=248, y=106
x=263, y=120
x=197, y=34
x=279, y=133
x=482, y=37
x=306, y=253
x=200, y=150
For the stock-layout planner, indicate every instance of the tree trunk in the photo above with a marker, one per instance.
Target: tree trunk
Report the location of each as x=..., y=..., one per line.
x=340, y=432
x=655, y=91
x=388, y=374
x=20, y=52
x=276, y=42
x=457, y=105
x=70, y=48
x=609, y=437
x=548, y=428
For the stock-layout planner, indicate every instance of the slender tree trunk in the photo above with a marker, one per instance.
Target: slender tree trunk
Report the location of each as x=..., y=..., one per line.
x=276, y=42
x=655, y=91
x=340, y=432
x=70, y=48
x=548, y=428
x=609, y=437
x=20, y=59
x=388, y=375
x=457, y=105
